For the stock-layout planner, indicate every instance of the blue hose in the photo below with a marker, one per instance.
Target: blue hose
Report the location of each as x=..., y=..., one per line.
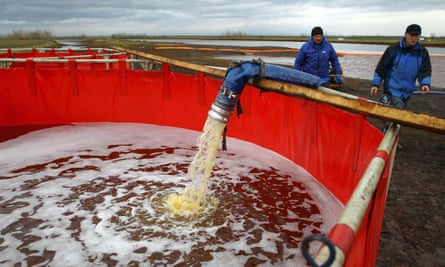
x=238, y=75
x=292, y=76
x=430, y=93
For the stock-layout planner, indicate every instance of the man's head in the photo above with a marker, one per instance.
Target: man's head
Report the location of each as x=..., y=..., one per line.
x=317, y=34
x=414, y=29
x=412, y=34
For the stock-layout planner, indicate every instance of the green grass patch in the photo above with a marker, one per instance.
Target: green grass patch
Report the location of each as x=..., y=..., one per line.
x=27, y=43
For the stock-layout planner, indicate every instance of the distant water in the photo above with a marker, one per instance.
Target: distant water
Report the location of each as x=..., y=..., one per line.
x=72, y=44
x=339, y=47
x=355, y=66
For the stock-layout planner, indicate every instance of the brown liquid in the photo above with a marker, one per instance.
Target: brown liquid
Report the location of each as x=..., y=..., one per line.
x=262, y=201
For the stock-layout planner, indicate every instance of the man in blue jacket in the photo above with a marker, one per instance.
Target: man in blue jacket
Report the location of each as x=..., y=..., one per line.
x=400, y=66
x=315, y=55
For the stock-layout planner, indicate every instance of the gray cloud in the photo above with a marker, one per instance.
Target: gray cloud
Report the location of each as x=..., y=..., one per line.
x=288, y=17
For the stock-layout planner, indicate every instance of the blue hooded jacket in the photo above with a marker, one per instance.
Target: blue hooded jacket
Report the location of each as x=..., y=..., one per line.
x=400, y=67
x=314, y=59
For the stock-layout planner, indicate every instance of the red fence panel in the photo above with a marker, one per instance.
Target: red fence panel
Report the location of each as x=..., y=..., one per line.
x=335, y=146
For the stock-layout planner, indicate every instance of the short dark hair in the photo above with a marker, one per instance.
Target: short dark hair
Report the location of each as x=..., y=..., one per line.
x=317, y=31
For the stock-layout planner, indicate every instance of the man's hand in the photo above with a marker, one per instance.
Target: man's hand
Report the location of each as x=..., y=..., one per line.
x=425, y=89
x=374, y=90
x=338, y=79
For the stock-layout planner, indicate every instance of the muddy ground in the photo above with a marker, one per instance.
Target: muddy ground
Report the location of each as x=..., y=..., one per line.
x=413, y=232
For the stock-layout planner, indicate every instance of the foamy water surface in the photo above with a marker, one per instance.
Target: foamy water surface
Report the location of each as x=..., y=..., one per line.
x=91, y=195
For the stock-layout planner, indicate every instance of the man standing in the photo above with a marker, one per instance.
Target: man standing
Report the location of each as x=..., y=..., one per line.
x=400, y=66
x=315, y=55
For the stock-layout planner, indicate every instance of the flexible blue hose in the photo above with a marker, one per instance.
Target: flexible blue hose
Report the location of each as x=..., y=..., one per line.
x=430, y=93
x=237, y=77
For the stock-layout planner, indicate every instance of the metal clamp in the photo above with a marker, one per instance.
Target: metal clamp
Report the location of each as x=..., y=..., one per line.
x=229, y=93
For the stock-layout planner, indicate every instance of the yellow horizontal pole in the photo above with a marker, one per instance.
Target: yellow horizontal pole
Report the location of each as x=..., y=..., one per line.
x=357, y=105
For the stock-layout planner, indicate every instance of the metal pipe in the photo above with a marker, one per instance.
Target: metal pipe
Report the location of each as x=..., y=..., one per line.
x=343, y=233
x=346, y=95
x=58, y=49
x=229, y=92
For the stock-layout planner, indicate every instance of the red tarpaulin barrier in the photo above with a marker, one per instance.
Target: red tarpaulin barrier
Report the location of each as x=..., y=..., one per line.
x=333, y=145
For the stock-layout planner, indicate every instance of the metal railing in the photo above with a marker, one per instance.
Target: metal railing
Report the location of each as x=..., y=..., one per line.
x=134, y=63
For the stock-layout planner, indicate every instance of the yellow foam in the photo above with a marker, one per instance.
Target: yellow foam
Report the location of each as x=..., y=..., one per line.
x=193, y=199
x=179, y=204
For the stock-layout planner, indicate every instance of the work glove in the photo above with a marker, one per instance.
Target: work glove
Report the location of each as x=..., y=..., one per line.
x=338, y=78
x=384, y=99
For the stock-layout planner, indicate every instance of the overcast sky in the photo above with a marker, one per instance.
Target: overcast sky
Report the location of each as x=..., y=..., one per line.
x=217, y=17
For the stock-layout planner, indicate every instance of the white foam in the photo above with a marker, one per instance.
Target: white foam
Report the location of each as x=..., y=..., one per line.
x=99, y=162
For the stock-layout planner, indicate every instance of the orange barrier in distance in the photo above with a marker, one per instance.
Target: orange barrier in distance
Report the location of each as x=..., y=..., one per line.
x=278, y=50
x=290, y=50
